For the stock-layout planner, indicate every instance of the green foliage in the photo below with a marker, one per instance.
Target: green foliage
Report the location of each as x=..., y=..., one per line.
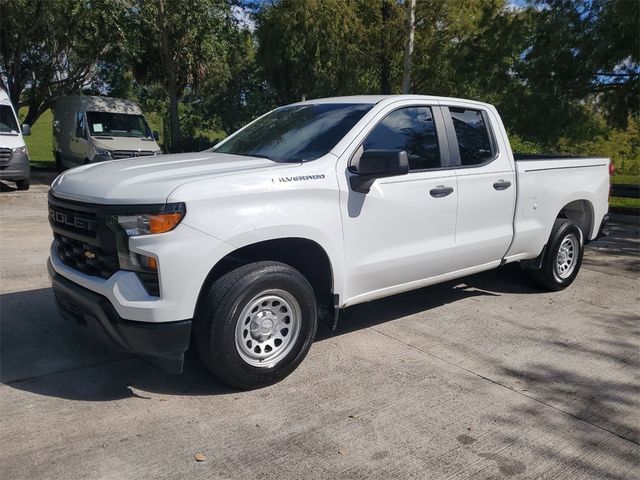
x=314, y=48
x=49, y=49
x=244, y=97
x=40, y=142
x=563, y=74
x=520, y=145
x=622, y=146
x=181, y=46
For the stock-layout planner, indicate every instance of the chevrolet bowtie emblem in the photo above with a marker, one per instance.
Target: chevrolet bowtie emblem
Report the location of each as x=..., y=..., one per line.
x=89, y=254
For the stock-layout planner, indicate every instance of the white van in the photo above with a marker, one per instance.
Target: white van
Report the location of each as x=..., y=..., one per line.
x=14, y=157
x=94, y=129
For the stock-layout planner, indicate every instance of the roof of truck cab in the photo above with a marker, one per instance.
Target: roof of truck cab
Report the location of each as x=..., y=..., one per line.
x=99, y=104
x=374, y=99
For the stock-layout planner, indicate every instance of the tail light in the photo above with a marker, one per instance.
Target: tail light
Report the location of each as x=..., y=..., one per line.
x=612, y=172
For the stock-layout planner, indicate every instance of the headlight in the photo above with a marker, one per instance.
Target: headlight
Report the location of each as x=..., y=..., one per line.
x=166, y=219
x=101, y=152
x=163, y=220
x=20, y=150
x=158, y=152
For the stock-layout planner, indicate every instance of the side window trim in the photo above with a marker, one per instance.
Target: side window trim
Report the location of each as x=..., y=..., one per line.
x=81, y=124
x=439, y=119
x=453, y=139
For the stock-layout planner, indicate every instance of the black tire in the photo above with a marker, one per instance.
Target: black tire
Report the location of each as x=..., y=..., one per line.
x=59, y=164
x=550, y=275
x=219, y=311
x=23, y=184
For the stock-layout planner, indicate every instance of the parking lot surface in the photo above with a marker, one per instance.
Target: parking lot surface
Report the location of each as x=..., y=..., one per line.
x=484, y=377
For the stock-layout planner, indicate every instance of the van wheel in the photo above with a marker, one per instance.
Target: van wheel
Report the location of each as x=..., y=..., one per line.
x=23, y=184
x=563, y=256
x=256, y=324
x=59, y=164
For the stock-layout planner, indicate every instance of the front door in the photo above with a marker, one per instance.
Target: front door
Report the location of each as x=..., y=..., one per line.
x=403, y=230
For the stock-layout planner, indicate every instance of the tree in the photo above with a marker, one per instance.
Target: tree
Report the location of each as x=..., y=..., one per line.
x=180, y=45
x=55, y=52
x=587, y=50
x=312, y=48
x=247, y=94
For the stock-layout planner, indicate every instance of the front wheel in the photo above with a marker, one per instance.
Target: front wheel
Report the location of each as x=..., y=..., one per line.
x=59, y=163
x=256, y=324
x=23, y=184
x=563, y=256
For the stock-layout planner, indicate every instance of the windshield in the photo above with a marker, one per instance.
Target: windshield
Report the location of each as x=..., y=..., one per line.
x=106, y=124
x=7, y=120
x=296, y=133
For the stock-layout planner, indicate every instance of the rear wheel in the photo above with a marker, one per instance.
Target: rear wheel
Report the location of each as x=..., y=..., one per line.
x=563, y=256
x=23, y=184
x=256, y=324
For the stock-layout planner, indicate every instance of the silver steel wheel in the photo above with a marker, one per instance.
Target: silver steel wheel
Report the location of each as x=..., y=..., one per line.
x=268, y=328
x=567, y=257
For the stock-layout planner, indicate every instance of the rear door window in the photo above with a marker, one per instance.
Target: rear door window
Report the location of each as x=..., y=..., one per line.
x=411, y=129
x=472, y=133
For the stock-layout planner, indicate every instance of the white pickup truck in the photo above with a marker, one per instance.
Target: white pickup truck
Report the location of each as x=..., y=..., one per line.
x=307, y=210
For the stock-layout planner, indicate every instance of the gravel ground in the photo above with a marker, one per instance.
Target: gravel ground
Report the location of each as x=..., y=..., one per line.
x=484, y=377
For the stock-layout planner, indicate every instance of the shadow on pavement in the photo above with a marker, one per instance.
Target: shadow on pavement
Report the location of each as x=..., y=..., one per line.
x=39, y=178
x=605, y=400
x=39, y=349
x=43, y=354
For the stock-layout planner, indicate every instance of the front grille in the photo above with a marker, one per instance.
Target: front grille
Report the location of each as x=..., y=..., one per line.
x=5, y=156
x=82, y=238
x=130, y=153
x=86, y=258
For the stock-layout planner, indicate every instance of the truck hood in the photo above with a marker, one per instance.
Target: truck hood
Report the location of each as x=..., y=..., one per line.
x=125, y=143
x=149, y=179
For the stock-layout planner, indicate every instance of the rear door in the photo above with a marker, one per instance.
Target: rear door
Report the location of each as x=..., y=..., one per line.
x=403, y=230
x=486, y=186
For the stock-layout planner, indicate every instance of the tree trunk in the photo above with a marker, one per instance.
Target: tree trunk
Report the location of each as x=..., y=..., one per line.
x=172, y=85
x=174, y=118
x=408, y=51
x=385, y=64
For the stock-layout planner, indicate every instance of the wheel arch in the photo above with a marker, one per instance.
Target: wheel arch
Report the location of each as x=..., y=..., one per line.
x=582, y=213
x=305, y=255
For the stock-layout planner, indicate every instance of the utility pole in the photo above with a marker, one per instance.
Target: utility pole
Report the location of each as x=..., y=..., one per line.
x=408, y=50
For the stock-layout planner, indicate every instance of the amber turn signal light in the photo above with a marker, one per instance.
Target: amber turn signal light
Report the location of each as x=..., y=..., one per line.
x=164, y=222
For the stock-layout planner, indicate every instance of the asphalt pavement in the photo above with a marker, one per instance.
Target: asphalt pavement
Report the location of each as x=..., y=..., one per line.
x=484, y=377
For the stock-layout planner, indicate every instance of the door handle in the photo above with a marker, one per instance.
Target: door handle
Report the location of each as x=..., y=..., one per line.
x=440, y=191
x=501, y=185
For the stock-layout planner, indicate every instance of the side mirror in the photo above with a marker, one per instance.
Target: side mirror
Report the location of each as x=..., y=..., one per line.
x=156, y=135
x=375, y=164
x=26, y=130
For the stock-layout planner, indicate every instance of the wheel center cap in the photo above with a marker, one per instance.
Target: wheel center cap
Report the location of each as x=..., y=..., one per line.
x=562, y=257
x=267, y=326
x=263, y=325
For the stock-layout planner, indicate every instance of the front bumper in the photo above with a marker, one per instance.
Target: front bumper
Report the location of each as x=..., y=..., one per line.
x=17, y=169
x=162, y=344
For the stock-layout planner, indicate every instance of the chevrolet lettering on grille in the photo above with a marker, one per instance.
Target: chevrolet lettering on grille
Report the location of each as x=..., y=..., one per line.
x=72, y=220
